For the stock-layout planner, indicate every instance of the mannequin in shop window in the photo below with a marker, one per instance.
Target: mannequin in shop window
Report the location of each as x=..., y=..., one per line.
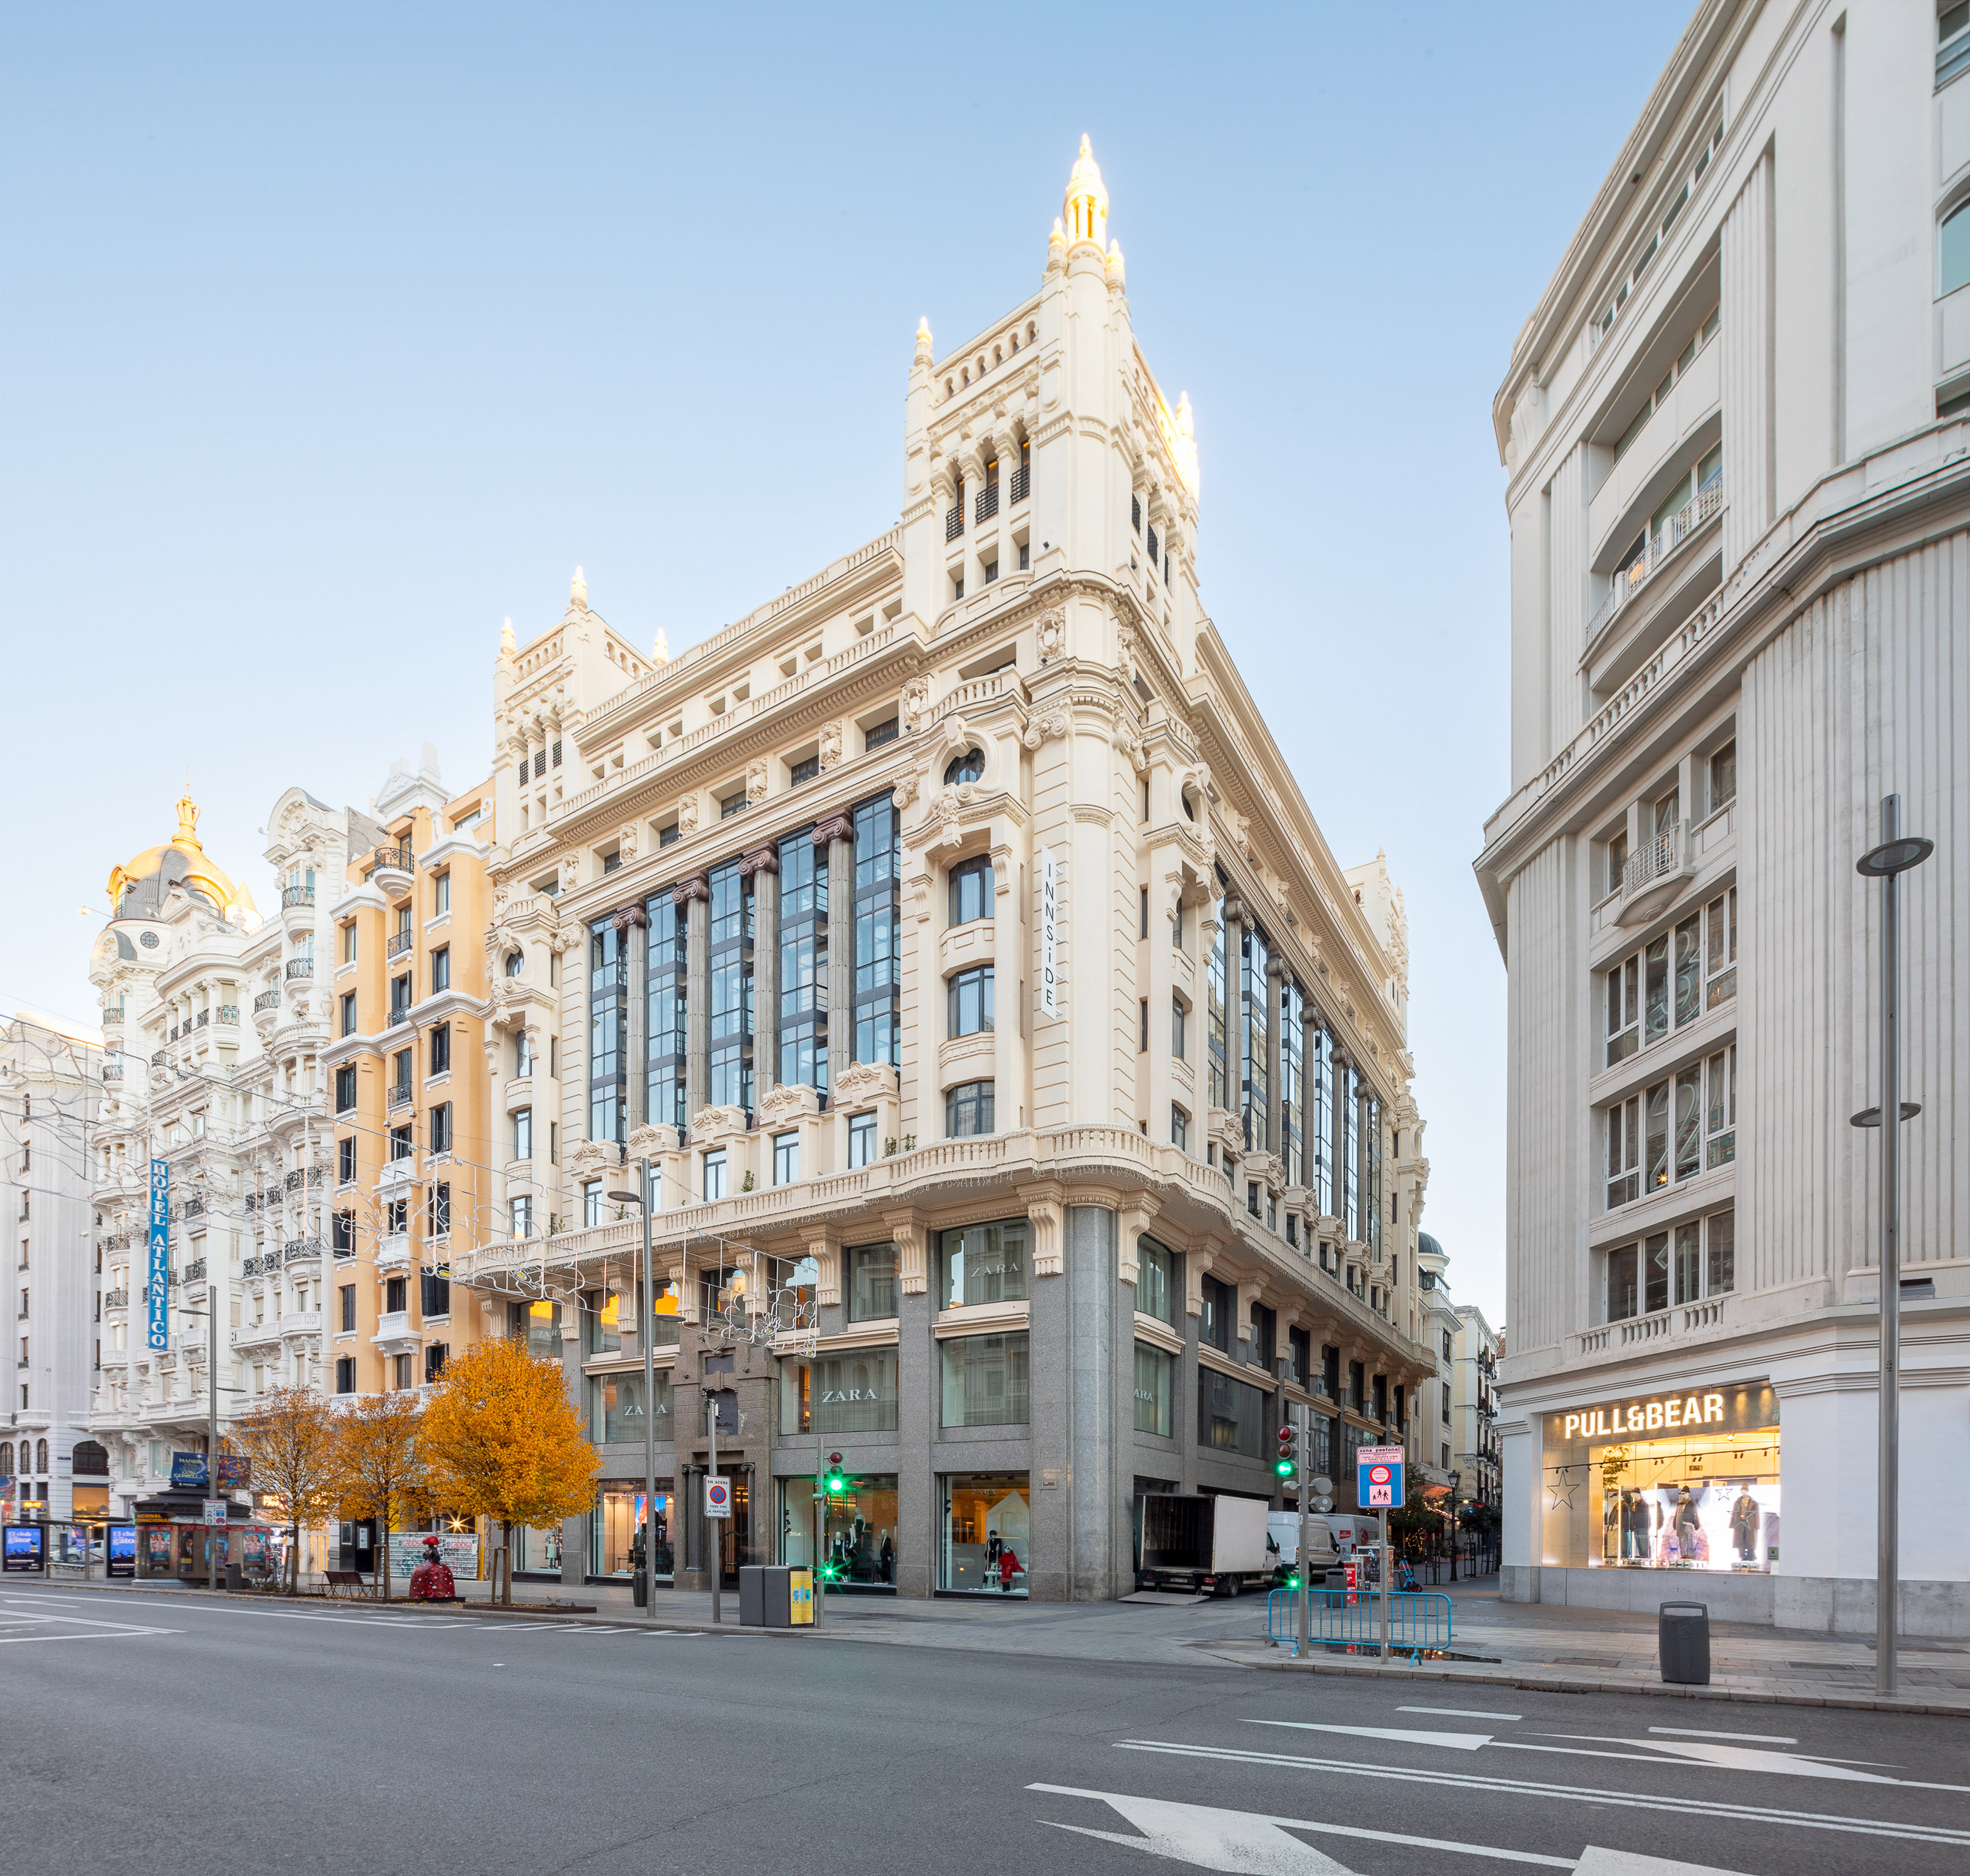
x=1745, y=1515
x=1691, y=1546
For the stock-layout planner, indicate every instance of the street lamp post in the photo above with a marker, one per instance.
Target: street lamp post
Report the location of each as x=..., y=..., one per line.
x=646, y=1335
x=1895, y=855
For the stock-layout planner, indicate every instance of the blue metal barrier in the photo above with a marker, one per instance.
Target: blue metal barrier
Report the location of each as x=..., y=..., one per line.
x=1417, y=1619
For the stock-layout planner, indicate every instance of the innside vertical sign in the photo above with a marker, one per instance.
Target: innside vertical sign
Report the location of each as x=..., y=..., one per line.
x=1050, y=914
x=158, y=1335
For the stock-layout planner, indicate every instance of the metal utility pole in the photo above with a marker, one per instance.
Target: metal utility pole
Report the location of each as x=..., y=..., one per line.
x=647, y=1334
x=714, y=1533
x=1386, y=1573
x=211, y=1421
x=1306, y=1475
x=1886, y=862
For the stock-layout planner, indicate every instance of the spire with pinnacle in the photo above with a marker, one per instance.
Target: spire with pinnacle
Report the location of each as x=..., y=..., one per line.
x=1084, y=210
x=578, y=591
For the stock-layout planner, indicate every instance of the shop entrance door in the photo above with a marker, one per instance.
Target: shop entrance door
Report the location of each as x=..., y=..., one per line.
x=735, y=1537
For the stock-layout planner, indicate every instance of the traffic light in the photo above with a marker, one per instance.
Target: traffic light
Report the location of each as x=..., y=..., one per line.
x=1286, y=1465
x=836, y=1481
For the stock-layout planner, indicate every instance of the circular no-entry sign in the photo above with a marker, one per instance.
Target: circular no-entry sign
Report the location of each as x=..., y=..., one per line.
x=1378, y=1475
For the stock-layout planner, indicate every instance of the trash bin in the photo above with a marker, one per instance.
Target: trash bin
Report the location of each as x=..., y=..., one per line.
x=1684, y=1631
x=233, y=1579
x=765, y=1596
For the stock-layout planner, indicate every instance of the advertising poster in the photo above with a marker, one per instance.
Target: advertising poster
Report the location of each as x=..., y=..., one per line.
x=23, y=1547
x=122, y=1550
x=187, y=1469
x=458, y=1551
x=158, y=1549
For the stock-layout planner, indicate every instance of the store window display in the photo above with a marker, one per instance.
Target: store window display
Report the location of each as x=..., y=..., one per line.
x=1687, y=1481
x=853, y=1392
x=616, y=1407
x=986, y=1544
x=619, y=1519
x=858, y=1530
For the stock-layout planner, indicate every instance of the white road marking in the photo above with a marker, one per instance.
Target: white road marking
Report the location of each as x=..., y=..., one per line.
x=1682, y=1806
x=1249, y=1842
x=1254, y=1844
x=1756, y=1739
x=79, y=1628
x=1748, y=1759
x=1402, y=1735
x=1467, y=1713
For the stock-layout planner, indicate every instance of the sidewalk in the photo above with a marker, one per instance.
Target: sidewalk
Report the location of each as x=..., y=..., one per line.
x=1594, y=1651
x=1521, y=1645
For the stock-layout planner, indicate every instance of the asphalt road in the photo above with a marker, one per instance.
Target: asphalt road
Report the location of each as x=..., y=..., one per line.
x=143, y=1733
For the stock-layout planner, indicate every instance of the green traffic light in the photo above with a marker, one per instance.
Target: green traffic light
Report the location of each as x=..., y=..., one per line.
x=1284, y=1467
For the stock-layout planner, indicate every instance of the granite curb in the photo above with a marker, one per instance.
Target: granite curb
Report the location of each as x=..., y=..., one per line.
x=1531, y=1680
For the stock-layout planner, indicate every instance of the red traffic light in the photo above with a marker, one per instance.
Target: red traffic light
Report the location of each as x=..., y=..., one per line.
x=834, y=1459
x=1285, y=1434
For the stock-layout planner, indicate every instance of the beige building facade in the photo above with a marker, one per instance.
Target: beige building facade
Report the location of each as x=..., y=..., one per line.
x=1022, y=1083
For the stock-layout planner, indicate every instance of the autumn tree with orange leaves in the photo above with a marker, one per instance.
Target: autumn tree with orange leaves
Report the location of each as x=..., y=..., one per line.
x=500, y=1439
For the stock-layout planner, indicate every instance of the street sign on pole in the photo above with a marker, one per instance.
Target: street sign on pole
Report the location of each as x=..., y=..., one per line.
x=215, y=1510
x=718, y=1497
x=1378, y=1477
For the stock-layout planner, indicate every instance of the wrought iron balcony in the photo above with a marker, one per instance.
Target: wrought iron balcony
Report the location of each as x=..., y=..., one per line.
x=227, y=1016
x=266, y=999
x=954, y=521
x=298, y=1249
x=986, y=505
x=297, y=896
x=299, y=967
x=393, y=859
x=401, y=1094
x=399, y=942
x=1022, y=485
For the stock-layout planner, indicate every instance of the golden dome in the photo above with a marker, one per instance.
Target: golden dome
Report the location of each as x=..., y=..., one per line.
x=198, y=871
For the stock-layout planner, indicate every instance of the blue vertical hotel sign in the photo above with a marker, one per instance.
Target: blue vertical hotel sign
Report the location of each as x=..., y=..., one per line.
x=159, y=1335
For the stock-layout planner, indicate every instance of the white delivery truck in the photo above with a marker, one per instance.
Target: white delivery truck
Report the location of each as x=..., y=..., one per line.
x=1283, y=1528
x=1215, y=1546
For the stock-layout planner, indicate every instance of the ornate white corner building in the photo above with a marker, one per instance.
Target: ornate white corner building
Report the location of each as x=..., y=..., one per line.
x=950, y=938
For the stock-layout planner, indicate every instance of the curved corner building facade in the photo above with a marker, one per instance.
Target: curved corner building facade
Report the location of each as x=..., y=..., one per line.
x=1735, y=431
x=1023, y=1082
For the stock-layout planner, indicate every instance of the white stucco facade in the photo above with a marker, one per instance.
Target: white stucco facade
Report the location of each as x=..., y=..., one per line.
x=1739, y=497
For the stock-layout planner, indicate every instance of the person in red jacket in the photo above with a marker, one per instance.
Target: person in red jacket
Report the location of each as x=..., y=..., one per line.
x=1008, y=1568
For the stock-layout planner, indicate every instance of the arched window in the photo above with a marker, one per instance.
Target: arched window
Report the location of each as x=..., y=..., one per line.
x=966, y=768
x=6, y=1459
x=516, y=963
x=90, y=1460
x=41, y=1455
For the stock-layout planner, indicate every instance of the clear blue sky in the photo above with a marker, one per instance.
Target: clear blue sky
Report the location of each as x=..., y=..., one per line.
x=329, y=338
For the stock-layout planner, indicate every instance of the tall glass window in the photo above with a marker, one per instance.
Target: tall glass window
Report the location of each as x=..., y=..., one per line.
x=983, y=1263
x=616, y=1407
x=668, y=958
x=1231, y=1417
x=617, y=1520
x=1292, y=1082
x=1216, y=1041
x=986, y=1537
x=803, y=962
x=1372, y=1133
x=731, y=974
x=987, y=1380
x=878, y=935
x=1254, y=989
x=1321, y=1073
x=608, y=995
x=1155, y=1388
x=851, y=1392
x=869, y=1289
x=1350, y=1092
x=1156, y=1280
x=859, y=1530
